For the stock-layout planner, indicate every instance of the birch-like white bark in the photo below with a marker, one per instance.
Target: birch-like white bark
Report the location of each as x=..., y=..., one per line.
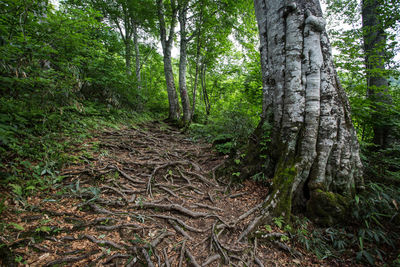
x=166, y=43
x=313, y=139
x=183, y=63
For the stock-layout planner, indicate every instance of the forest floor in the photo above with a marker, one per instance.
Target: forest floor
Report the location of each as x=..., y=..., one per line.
x=143, y=196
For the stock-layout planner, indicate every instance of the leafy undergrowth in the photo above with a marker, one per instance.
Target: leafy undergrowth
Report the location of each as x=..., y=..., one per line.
x=141, y=196
x=34, y=144
x=228, y=129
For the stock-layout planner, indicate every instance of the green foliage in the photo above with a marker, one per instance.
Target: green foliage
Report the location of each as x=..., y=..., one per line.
x=228, y=129
x=62, y=76
x=278, y=221
x=373, y=225
x=382, y=165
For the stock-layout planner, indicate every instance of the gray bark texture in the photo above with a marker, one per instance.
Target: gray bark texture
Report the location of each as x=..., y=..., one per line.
x=375, y=55
x=183, y=63
x=137, y=55
x=197, y=69
x=167, y=47
x=128, y=55
x=314, y=153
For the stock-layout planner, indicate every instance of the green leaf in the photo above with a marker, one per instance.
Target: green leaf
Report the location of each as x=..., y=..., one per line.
x=17, y=189
x=17, y=226
x=44, y=228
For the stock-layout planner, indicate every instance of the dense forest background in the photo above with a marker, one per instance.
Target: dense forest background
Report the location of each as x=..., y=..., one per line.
x=70, y=68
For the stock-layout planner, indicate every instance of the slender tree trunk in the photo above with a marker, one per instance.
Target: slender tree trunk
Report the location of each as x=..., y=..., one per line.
x=314, y=153
x=196, y=76
x=183, y=64
x=128, y=56
x=167, y=47
x=262, y=29
x=204, y=88
x=172, y=95
x=137, y=55
x=375, y=50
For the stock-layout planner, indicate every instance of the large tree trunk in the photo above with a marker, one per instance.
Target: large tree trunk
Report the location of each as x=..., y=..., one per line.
x=183, y=64
x=314, y=153
x=167, y=47
x=375, y=55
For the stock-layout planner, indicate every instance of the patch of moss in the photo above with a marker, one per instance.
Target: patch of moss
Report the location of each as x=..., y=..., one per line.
x=327, y=208
x=283, y=182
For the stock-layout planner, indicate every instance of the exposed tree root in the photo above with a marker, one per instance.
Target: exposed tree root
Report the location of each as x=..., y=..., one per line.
x=192, y=258
x=182, y=254
x=188, y=227
x=158, y=240
x=71, y=259
x=126, y=176
x=115, y=256
x=167, y=181
x=211, y=259
x=288, y=249
x=115, y=190
x=202, y=178
x=166, y=260
x=147, y=257
x=119, y=226
x=179, y=229
x=170, y=207
x=250, y=228
x=103, y=242
x=207, y=206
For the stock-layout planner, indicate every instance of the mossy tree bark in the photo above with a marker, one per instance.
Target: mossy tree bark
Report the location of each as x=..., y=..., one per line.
x=314, y=153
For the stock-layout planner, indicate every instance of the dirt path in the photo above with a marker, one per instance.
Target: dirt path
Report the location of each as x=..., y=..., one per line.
x=145, y=197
